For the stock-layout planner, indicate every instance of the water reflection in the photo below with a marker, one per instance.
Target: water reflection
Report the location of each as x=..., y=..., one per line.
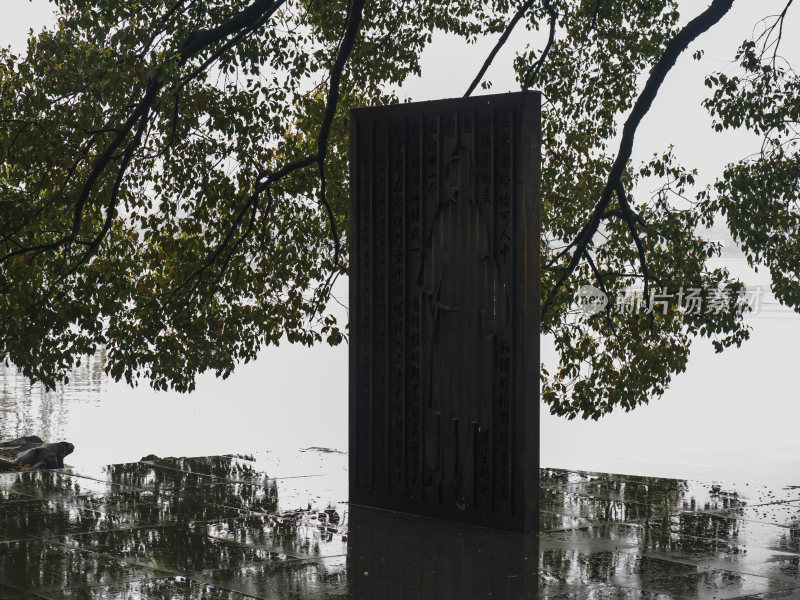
x=27, y=408
x=399, y=556
x=47, y=566
x=171, y=588
x=665, y=536
x=226, y=527
x=263, y=406
x=214, y=518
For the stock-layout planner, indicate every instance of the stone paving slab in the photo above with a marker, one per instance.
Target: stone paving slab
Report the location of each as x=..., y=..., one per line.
x=277, y=580
x=278, y=526
x=44, y=566
x=296, y=535
x=11, y=593
x=29, y=519
x=174, y=588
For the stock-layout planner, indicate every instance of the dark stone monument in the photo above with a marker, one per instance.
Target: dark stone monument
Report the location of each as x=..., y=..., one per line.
x=444, y=309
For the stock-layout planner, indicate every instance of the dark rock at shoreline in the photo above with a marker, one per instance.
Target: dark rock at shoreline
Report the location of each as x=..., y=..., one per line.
x=26, y=441
x=323, y=450
x=30, y=452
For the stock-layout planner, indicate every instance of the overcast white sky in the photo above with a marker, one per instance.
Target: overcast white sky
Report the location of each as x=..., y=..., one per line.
x=729, y=417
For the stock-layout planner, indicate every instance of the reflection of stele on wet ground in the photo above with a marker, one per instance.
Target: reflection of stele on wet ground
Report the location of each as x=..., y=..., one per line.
x=278, y=526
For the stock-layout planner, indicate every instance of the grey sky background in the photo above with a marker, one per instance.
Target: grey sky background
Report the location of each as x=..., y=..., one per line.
x=732, y=416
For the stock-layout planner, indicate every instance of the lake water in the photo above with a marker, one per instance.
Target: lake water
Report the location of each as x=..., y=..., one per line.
x=729, y=418
x=258, y=408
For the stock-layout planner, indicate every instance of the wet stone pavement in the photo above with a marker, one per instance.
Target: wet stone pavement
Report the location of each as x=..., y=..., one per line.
x=277, y=526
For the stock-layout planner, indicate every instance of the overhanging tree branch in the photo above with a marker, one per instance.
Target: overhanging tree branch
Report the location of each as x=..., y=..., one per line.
x=500, y=43
x=533, y=71
x=766, y=37
x=601, y=282
x=267, y=178
x=198, y=41
x=674, y=48
x=354, y=17
x=628, y=217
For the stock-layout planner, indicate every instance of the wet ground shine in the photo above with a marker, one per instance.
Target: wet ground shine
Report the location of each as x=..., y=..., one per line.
x=278, y=526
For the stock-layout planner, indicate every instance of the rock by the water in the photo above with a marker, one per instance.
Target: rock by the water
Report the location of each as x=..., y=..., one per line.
x=27, y=441
x=31, y=452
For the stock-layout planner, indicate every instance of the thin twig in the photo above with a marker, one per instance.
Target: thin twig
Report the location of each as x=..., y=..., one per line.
x=627, y=215
x=533, y=71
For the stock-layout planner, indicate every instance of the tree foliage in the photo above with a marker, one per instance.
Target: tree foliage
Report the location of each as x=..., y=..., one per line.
x=174, y=180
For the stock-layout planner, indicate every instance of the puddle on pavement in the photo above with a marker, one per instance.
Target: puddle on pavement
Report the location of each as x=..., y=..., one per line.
x=234, y=527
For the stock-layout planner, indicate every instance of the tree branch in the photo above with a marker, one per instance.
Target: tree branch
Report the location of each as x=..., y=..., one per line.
x=766, y=36
x=674, y=48
x=628, y=217
x=533, y=71
x=262, y=184
x=602, y=285
x=503, y=38
x=202, y=39
x=595, y=13
x=257, y=12
x=354, y=18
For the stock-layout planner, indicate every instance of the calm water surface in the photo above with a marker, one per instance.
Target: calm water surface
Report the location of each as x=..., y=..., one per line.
x=283, y=401
x=732, y=418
